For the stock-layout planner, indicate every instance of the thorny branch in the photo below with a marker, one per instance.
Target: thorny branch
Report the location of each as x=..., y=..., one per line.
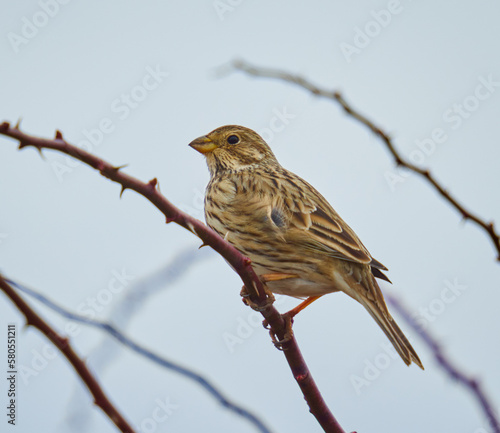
x=241, y=264
x=473, y=385
x=33, y=319
x=163, y=362
x=488, y=227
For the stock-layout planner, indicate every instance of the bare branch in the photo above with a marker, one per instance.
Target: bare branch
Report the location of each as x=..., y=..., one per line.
x=123, y=310
x=471, y=384
x=241, y=264
x=100, y=398
x=488, y=227
x=157, y=359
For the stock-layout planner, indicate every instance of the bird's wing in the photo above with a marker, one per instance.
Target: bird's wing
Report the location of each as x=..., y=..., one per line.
x=325, y=232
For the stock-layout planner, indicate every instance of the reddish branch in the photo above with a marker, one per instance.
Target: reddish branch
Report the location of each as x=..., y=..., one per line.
x=470, y=383
x=488, y=227
x=238, y=262
x=62, y=343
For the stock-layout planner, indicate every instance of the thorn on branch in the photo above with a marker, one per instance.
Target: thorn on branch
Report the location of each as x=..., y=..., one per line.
x=301, y=377
x=153, y=182
x=123, y=190
x=58, y=135
x=23, y=144
x=4, y=126
x=18, y=124
x=247, y=261
x=98, y=402
x=170, y=219
x=203, y=245
x=119, y=167
x=64, y=341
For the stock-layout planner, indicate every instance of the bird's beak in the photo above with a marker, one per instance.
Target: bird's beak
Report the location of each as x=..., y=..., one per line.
x=203, y=144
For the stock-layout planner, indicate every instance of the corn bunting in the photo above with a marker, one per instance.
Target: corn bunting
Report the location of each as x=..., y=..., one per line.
x=297, y=243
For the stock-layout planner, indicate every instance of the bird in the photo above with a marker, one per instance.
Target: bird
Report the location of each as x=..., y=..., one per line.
x=297, y=243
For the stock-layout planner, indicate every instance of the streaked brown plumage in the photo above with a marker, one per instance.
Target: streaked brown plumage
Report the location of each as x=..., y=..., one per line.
x=288, y=229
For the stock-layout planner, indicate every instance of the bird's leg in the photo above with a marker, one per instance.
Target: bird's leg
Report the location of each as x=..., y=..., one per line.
x=296, y=310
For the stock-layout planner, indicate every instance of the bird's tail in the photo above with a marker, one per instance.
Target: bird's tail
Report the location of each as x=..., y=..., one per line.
x=373, y=300
x=393, y=332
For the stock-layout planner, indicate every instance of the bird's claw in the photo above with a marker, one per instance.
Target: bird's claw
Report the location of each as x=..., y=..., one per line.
x=244, y=293
x=279, y=344
x=287, y=317
x=253, y=305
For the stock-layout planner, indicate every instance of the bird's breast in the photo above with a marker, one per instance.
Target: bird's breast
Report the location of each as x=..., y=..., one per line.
x=237, y=207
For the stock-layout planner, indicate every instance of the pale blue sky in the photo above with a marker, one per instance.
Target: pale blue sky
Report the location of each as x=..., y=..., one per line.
x=144, y=74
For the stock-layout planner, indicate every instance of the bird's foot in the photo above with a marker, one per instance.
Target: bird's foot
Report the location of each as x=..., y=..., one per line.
x=253, y=305
x=279, y=344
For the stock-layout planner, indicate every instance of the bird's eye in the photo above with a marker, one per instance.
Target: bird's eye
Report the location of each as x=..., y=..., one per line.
x=233, y=139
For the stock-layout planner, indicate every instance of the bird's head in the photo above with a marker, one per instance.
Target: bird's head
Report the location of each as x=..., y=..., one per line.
x=233, y=148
